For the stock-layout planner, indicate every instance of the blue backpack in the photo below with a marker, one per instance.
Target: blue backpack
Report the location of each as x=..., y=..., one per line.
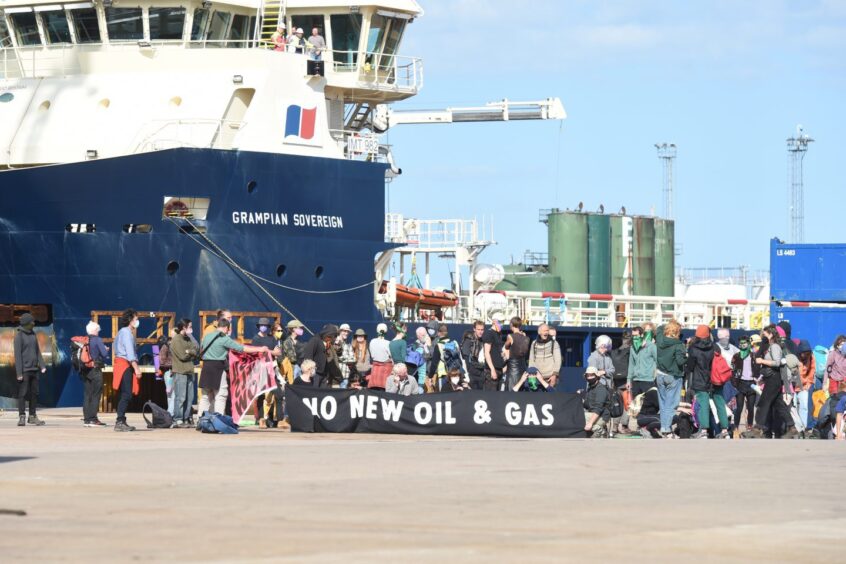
x=452, y=356
x=414, y=357
x=820, y=358
x=216, y=423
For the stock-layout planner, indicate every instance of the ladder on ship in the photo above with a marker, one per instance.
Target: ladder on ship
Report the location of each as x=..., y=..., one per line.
x=271, y=15
x=358, y=115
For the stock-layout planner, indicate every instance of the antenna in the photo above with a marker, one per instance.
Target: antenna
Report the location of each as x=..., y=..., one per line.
x=796, y=148
x=667, y=154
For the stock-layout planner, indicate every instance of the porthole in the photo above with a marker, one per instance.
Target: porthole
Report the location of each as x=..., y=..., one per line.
x=172, y=267
x=251, y=186
x=6, y=97
x=104, y=103
x=318, y=272
x=176, y=101
x=280, y=270
x=45, y=105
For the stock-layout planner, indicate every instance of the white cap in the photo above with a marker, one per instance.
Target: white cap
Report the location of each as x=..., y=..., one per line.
x=299, y=30
x=381, y=328
x=92, y=328
x=344, y=327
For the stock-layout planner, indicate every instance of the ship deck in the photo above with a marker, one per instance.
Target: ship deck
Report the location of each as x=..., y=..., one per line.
x=176, y=495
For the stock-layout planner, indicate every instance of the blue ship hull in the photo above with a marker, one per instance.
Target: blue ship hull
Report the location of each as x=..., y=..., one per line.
x=75, y=273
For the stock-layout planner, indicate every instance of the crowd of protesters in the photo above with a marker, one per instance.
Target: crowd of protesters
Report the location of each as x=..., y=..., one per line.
x=655, y=384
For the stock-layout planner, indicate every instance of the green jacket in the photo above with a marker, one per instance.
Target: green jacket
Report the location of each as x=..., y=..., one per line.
x=183, y=352
x=672, y=354
x=642, y=363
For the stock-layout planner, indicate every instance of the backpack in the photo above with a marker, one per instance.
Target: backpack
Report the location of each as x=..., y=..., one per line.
x=452, y=356
x=821, y=359
x=81, y=353
x=720, y=370
x=161, y=418
x=615, y=403
x=216, y=423
x=790, y=370
x=414, y=357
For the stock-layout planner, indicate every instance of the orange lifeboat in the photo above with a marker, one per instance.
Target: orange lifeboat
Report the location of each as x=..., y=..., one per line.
x=411, y=297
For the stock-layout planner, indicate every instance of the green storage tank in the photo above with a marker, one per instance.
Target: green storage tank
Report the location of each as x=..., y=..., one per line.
x=568, y=250
x=621, y=270
x=665, y=257
x=599, y=254
x=644, y=256
x=540, y=282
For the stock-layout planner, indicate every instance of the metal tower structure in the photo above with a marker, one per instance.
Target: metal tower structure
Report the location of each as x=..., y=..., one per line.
x=667, y=154
x=796, y=148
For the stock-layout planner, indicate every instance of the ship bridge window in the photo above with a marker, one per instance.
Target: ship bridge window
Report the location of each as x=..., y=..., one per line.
x=5, y=39
x=179, y=207
x=26, y=28
x=242, y=30
x=85, y=25
x=383, y=40
x=167, y=23
x=55, y=25
x=308, y=23
x=80, y=228
x=346, y=33
x=125, y=24
x=219, y=26
x=199, y=25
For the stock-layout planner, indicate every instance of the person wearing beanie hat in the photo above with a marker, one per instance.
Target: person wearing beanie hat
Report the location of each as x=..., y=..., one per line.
x=28, y=364
x=92, y=377
x=700, y=357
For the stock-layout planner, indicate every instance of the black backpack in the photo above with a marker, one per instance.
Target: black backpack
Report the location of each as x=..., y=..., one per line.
x=161, y=418
x=615, y=403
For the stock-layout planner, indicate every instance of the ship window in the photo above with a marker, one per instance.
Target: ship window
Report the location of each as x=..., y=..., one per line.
x=318, y=272
x=251, y=186
x=198, y=26
x=80, y=228
x=346, y=32
x=55, y=24
x=172, y=267
x=281, y=269
x=239, y=33
x=5, y=40
x=378, y=26
x=219, y=25
x=186, y=207
x=392, y=42
x=85, y=25
x=6, y=97
x=167, y=23
x=137, y=228
x=26, y=28
x=125, y=24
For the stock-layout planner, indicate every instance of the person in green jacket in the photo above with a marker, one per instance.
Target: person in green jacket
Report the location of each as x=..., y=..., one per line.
x=672, y=357
x=643, y=362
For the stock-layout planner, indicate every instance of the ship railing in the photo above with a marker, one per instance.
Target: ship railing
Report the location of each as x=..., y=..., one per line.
x=360, y=146
x=200, y=133
x=367, y=71
x=608, y=311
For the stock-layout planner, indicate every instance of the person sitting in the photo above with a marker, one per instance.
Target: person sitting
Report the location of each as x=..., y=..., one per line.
x=649, y=419
x=454, y=382
x=399, y=382
x=597, y=400
x=532, y=381
x=306, y=376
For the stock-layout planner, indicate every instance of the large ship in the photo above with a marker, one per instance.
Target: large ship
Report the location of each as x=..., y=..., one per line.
x=178, y=157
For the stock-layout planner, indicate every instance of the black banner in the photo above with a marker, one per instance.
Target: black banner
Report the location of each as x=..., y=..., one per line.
x=505, y=414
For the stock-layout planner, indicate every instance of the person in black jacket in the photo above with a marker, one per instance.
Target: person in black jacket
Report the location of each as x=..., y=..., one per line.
x=648, y=419
x=320, y=349
x=28, y=363
x=597, y=400
x=471, y=345
x=700, y=357
x=620, y=359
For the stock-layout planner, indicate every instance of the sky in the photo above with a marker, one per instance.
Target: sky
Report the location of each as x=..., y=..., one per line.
x=727, y=81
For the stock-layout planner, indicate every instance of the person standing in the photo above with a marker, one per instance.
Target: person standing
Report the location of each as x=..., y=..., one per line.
x=320, y=349
x=772, y=406
x=545, y=355
x=517, y=347
x=494, y=362
x=423, y=346
x=744, y=378
x=296, y=42
x=278, y=39
x=127, y=373
x=265, y=338
x=28, y=364
x=600, y=359
x=672, y=357
x=361, y=354
x=215, y=357
x=398, y=346
x=291, y=347
x=439, y=369
x=184, y=351
x=620, y=359
x=316, y=45
x=700, y=358
x=212, y=327
x=344, y=352
x=473, y=351
x=380, y=356
x=92, y=378
x=807, y=374
x=643, y=362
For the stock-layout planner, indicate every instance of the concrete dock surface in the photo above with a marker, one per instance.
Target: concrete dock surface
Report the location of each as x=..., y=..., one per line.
x=74, y=494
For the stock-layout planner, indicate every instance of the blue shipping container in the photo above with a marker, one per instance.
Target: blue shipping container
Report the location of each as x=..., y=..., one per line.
x=810, y=273
x=819, y=325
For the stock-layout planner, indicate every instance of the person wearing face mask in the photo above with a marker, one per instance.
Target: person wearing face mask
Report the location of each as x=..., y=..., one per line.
x=596, y=402
x=545, y=354
x=215, y=355
x=211, y=328
x=28, y=364
x=531, y=381
x=454, y=382
x=643, y=363
x=264, y=403
x=724, y=346
x=184, y=350
x=835, y=366
x=126, y=366
x=771, y=405
x=291, y=347
x=744, y=377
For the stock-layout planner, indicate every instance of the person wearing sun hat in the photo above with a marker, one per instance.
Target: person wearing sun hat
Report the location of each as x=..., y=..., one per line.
x=361, y=353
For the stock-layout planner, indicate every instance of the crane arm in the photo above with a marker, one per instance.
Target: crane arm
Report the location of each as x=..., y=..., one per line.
x=505, y=110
